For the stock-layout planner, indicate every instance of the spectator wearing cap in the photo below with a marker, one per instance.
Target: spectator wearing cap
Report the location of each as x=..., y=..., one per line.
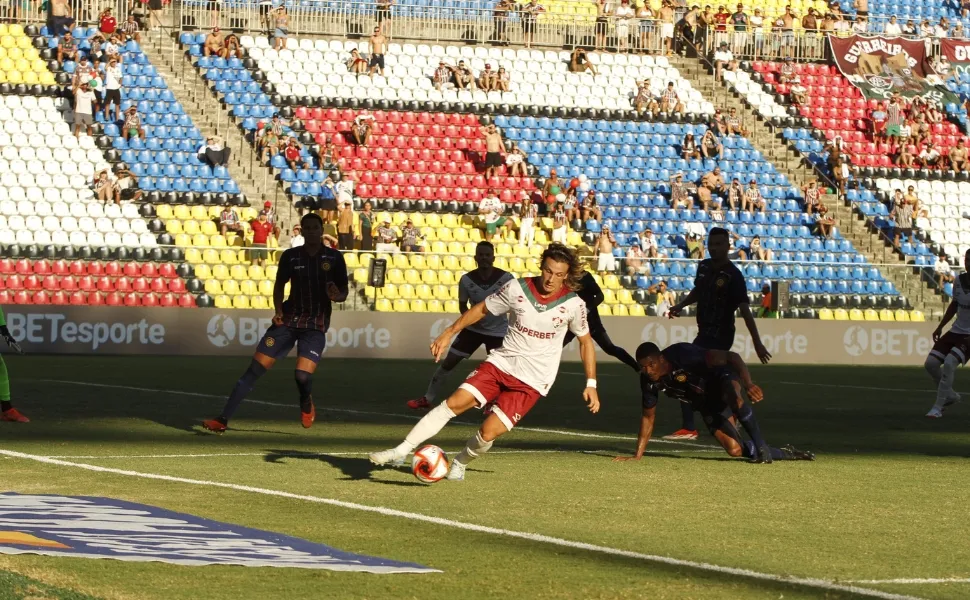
x=296, y=238
x=723, y=59
x=214, y=151
x=271, y=217
x=410, y=237
x=488, y=78
x=636, y=263
x=386, y=237
x=214, y=43
x=293, y=153
x=753, y=200
x=112, y=89
x=262, y=229
x=229, y=220
x=83, y=73
x=515, y=161
x=605, y=242
x=648, y=243
x=443, y=75
x=643, y=100
x=67, y=48
x=126, y=185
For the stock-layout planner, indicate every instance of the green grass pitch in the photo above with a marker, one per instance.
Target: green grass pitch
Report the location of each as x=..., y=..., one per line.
x=886, y=499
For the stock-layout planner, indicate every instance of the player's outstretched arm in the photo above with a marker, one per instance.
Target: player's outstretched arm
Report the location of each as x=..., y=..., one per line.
x=720, y=358
x=7, y=336
x=950, y=311
x=691, y=298
x=647, y=418
x=587, y=351
x=763, y=355
x=473, y=315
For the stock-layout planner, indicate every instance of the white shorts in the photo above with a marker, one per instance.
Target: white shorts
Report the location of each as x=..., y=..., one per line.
x=513, y=159
x=667, y=30
x=605, y=262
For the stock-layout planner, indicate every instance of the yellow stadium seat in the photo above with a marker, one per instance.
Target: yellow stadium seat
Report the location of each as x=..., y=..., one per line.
x=825, y=314
x=517, y=264
x=265, y=287
x=173, y=226
x=441, y=292
x=460, y=234
x=399, y=218
x=841, y=314
x=164, y=212
x=871, y=315
x=211, y=257
x=223, y=302
x=604, y=310
x=612, y=282
x=424, y=292
x=350, y=258
x=255, y=272
x=433, y=220
x=182, y=212
x=400, y=261
x=200, y=239
x=209, y=228
x=502, y=263
x=259, y=302
x=229, y=256
x=238, y=272
x=213, y=287
x=450, y=262
x=431, y=261
x=447, y=277
x=365, y=259
x=609, y=297
x=383, y=305
x=370, y=292
x=230, y=287
x=429, y=277
x=270, y=271
x=451, y=306
x=467, y=264
x=916, y=316
x=217, y=241
x=900, y=315
x=418, y=305
x=248, y=287
x=360, y=275
x=886, y=315
x=620, y=310
x=389, y=291
x=854, y=315
x=469, y=248
x=240, y=302
x=636, y=310
x=444, y=234
x=220, y=271
x=199, y=213
x=202, y=271
x=412, y=276
x=449, y=220
x=401, y=305
x=406, y=291
x=624, y=297
x=435, y=306
x=395, y=276
x=193, y=256
x=475, y=235
x=417, y=219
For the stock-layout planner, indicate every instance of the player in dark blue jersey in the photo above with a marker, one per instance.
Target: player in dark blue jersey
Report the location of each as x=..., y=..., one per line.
x=317, y=276
x=592, y=295
x=719, y=291
x=710, y=382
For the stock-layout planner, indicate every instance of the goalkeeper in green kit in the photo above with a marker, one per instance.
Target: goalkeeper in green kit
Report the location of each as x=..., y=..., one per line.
x=7, y=411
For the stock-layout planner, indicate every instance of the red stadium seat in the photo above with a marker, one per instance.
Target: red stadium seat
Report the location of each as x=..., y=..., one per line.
x=42, y=267
x=78, y=298
x=60, y=267
x=41, y=297
x=7, y=266
x=21, y=297
x=51, y=283
x=32, y=282
x=149, y=300
x=23, y=267
x=113, y=268
x=167, y=300
x=60, y=298
x=97, y=298
x=5, y=297
x=187, y=301
x=140, y=284
x=131, y=299
x=105, y=284
x=95, y=268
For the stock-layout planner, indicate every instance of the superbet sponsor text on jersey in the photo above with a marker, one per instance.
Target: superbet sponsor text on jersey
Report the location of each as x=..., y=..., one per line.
x=532, y=348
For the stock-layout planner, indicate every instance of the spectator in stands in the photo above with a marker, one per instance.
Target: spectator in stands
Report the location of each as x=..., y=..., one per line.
x=378, y=45
x=669, y=101
x=663, y=298
x=232, y=48
x=155, y=8
x=328, y=199
x=96, y=50
x=356, y=64
x=83, y=109
x=892, y=28
x=926, y=29
x=345, y=226
x=362, y=128
x=711, y=146
x=605, y=242
x=386, y=237
x=443, y=75
x=824, y=222
x=67, y=48
x=493, y=149
x=464, y=78
x=107, y=23
x=943, y=271
x=942, y=28
x=878, y=119
x=384, y=16
x=689, y=148
x=648, y=243
x=678, y=192
x=694, y=244
x=756, y=23
x=281, y=28
x=591, y=211
x=623, y=18
x=271, y=217
x=646, y=29
x=530, y=14
x=861, y=7
x=758, y=252
x=329, y=156
x=735, y=195
x=711, y=183
x=667, y=26
x=502, y=80
x=764, y=311
x=904, y=156
x=810, y=23
x=130, y=29
x=296, y=238
x=861, y=26
x=929, y=156
x=515, y=161
x=604, y=12
x=552, y=187
x=753, y=200
x=410, y=238
x=913, y=200
x=643, y=100
x=491, y=209
x=718, y=123
x=269, y=144
x=723, y=59
x=345, y=189
x=112, y=89
x=104, y=187
x=958, y=156
x=910, y=28
x=636, y=263
x=262, y=229
x=787, y=72
x=559, y=224
x=528, y=213
x=487, y=79
x=293, y=153
x=229, y=220
x=579, y=61
x=215, y=43
x=903, y=216
x=112, y=48
x=957, y=33
x=813, y=196
x=83, y=73
x=798, y=92
x=214, y=152
x=739, y=23
x=733, y=123
x=61, y=19
x=964, y=8
x=501, y=20
x=132, y=126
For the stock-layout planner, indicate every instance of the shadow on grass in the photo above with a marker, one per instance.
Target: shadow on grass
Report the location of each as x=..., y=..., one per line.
x=353, y=468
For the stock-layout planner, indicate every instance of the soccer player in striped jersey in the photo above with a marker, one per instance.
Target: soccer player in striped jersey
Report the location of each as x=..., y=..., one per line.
x=7, y=411
x=473, y=287
x=950, y=349
x=317, y=276
x=513, y=378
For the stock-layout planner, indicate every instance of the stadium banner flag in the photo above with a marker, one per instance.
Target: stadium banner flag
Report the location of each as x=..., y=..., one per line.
x=358, y=334
x=957, y=53
x=90, y=527
x=881, y=67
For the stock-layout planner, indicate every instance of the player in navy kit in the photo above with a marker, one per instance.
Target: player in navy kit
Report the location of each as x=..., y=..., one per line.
x=473, y=287
x=592, y=295
x=719, y=291
x=317, y=276
x=710, y=382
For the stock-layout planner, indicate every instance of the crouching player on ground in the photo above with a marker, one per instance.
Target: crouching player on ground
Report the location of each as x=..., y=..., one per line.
x=710, y=382
x=540, y=310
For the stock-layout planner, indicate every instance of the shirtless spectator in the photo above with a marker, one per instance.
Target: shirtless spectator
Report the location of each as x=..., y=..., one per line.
x=605, y=261
x=214, y=43
x=905, y=158
x=667, y=25
x=362, y=128
x=753, y=200
x=711, y=183
x=669, y=101
x=488, y=79
x=958, y=156
x=378, y=45
x=356, y=64
x=493, y=150
x=711, y=146
x=579, y=61
x=636, y=263
x=464, y=78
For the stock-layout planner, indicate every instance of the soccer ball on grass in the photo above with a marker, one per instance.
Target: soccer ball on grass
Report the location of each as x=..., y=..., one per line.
x=430, y=464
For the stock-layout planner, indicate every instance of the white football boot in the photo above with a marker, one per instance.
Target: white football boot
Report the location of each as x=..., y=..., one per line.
x=456, y=472
x=389, y=457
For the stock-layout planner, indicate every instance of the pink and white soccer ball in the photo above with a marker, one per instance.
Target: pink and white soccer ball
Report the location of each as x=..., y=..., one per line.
x=430, y=464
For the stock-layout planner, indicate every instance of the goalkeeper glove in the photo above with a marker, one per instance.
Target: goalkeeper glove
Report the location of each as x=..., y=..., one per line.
x=7, y=337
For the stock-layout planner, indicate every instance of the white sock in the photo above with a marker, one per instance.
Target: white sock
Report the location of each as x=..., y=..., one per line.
x=934, y=367
x=426, y=428
x=474, y=447
x=945, y=389
x=440, y=374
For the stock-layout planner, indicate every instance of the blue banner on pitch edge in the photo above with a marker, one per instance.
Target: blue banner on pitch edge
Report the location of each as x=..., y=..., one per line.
x=89, y=527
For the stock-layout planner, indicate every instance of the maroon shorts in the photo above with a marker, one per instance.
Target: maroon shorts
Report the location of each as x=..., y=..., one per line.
x=511, y=398
x=468, y=342
x=957, y=343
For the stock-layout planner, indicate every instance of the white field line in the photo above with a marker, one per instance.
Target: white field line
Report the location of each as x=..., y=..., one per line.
x=823, y=584
x=373, y=413
x=928, y=390
x=914, y=580
x=298, y=454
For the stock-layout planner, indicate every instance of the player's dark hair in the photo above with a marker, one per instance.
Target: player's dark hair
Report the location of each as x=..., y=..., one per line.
x=717, y=231
x=486, y=244
x=562, y=253
x=311, y=215
x=646, y=349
